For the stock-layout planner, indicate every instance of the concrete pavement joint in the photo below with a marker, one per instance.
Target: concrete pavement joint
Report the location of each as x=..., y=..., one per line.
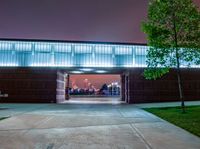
x=28, y=129
x=141, y=136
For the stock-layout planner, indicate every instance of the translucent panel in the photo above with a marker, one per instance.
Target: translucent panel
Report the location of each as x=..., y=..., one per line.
x=63, y=48
x=23, y=46
x=63, y=59
x=42, y=59
x=45, y=47
x=23, y=58
x=140, y=61
x=123, y=50
x=140, y=50
x=5, y=46
x=8, y=59
x=102, y=49
x=124, y=60
x=83, y=49
x=54, y=54
x=84, y=60
x=104, y=60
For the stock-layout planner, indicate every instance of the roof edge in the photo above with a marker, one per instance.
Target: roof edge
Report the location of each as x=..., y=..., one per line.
x=71, y=41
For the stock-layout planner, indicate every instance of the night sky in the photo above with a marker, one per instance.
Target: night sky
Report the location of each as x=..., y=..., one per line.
x=83, y=20
x=96, y=80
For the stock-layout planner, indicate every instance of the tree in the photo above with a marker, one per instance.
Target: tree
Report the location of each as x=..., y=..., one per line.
x=173, y=34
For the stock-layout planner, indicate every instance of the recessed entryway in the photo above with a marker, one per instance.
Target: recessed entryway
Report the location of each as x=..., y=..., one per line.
x=93, y=88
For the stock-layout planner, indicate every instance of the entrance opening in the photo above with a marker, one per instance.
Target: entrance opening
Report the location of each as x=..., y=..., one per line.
x=95, y=88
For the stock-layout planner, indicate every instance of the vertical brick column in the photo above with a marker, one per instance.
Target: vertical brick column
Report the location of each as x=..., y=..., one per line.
x=60, y=90
x=67, y=79
x=127, y=88
x=123, y=87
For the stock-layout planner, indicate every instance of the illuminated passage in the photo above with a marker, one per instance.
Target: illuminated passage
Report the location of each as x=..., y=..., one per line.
x=66, y=54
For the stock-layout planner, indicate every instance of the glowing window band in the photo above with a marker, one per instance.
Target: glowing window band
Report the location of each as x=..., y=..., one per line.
x=70, y=54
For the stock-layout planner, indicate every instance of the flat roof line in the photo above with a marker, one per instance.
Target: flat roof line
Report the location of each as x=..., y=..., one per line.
x=71, y=41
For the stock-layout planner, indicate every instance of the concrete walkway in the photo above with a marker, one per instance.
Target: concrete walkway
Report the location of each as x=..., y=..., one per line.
x=88, y=126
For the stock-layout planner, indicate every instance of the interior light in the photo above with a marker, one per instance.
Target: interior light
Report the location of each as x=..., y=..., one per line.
x=86, y=69
x=100, y=71
x=76, y=72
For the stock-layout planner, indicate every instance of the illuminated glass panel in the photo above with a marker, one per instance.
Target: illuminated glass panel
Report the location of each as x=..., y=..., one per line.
x=5, y=45
x=41, y=59
x=124, y=56
x=140, y=56
x=21, y=46
x=122, y=50
x=140, y=50
x=66, y=54
x=83, y=49
x=102, y=49
x=44, y=47
x=63, y=59
x=8, y=59
x=104, y=56
x=41, y=54
x=66, y=48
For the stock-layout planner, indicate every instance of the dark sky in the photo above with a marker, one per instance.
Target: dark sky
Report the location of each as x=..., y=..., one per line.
x=88, y=20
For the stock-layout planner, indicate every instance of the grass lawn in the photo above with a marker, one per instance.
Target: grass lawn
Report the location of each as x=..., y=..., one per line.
x=189, y=121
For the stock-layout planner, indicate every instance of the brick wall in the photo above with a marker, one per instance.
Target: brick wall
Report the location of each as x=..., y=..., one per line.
x=29, y=85
x=46, y=85
x=164, y=89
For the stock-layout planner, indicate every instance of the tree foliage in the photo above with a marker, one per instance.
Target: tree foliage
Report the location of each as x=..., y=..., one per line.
x=173, y=34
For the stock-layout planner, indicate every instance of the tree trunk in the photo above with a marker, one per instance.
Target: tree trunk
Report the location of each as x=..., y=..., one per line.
x=178, y=72
x=180, y=87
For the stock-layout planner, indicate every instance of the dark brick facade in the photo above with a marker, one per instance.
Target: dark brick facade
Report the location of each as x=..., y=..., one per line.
x=29, y=85
x=164, y=89
x=47, y=85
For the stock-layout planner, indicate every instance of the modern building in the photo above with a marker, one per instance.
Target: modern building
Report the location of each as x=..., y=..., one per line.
x=37, y=70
